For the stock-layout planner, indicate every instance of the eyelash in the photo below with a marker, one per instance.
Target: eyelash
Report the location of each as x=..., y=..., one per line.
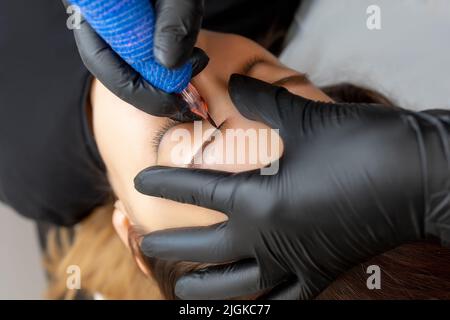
x=251, y=63
x=156, y=141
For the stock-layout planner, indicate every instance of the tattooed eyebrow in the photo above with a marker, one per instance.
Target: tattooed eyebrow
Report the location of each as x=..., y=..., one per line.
x=298, y=79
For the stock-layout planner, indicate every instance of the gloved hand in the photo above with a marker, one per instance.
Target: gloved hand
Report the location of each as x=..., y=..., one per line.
x=177, y=27
x=354, y=181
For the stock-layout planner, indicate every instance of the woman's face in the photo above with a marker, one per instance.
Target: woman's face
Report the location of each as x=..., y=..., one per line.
x=130, y=140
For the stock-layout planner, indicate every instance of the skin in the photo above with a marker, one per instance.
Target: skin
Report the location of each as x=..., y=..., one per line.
x=124, y=134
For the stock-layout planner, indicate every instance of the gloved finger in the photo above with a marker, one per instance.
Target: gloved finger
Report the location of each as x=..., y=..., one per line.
x=199, y=61
x=280, y=109
x=177, y=26
x=199, y=244
x=286, y=291
x=205, y=188
x=119, y=77
x=257, y=100
x=239, y=280
x=269, y=104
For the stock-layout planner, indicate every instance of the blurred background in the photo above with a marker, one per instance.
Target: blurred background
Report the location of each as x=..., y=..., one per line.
x=21, y=273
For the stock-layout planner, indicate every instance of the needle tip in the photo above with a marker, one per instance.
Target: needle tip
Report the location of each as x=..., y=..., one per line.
x=211, y=121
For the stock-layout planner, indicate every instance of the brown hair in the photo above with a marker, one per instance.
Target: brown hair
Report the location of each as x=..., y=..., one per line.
x=106, y=265
x=412, y=271
x=166, y=273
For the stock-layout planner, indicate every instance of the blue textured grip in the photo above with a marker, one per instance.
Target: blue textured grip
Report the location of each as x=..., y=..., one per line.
x=128, y=27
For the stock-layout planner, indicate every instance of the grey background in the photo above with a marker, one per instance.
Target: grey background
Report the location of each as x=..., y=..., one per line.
x=21, y=272
x=408, y=60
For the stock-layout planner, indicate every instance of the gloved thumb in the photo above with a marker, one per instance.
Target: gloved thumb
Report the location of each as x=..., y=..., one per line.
x=256, y=100
x=199, y=61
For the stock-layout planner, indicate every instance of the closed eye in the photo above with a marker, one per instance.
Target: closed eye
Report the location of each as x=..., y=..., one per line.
x=250, y=64
x=205, y=144
x=166, y=126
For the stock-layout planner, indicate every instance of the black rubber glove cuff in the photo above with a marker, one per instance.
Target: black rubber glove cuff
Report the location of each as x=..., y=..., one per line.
x=433, y=136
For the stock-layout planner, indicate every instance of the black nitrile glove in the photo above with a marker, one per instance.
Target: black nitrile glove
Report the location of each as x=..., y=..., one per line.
x=177, y=27
x=354, y=181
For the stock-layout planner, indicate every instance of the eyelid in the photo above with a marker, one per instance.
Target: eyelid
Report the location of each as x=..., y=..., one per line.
x=251, y=63
x=160, y=133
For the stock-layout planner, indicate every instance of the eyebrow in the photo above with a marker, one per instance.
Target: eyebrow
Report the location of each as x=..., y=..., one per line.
x=252, y=63
x=297, y=79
